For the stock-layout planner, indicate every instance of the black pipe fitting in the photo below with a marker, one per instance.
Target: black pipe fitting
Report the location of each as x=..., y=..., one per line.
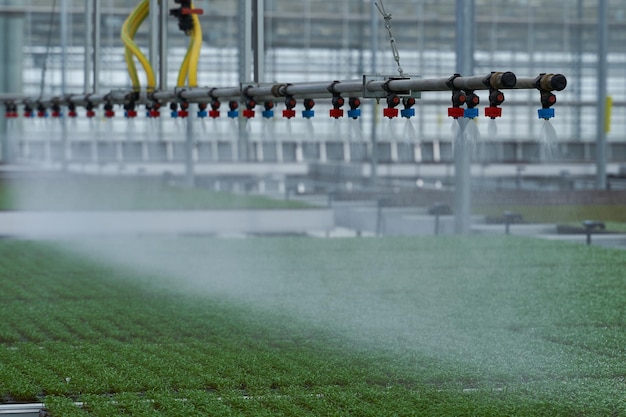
x=472, y=100
x=290, y=102
x=496, y=97
x=338, y=101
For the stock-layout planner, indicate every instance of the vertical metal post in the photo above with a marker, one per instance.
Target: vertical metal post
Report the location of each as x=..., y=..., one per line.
x=63, y=118
x=4, y=140
x=88, y=45
x=602, y=71
x=11, y=68
x=155, y=27
x=97, y=32
x=465, y=10
x=578, y=67
x=259, y=40
x=245, y=66
x=163, y=49
x=63, y=19
x=374, y=51
x=189, y=147
x=245, y=40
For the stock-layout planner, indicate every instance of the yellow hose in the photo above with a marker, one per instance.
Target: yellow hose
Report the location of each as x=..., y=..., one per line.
x=184, y=67
x=128, y=56
x=129, y=29
x=196, y=45
x=189, y=67
x=151, y=79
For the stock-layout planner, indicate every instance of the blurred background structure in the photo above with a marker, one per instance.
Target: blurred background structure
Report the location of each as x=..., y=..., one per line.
x=315, y=40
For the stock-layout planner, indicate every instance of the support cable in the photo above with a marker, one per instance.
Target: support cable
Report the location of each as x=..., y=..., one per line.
x=392, y=40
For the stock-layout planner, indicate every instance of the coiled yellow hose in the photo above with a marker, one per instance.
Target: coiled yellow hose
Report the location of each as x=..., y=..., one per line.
x=189, y=67
x=129, y=30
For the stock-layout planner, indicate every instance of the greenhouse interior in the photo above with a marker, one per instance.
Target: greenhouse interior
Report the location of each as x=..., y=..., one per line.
x=312, y=208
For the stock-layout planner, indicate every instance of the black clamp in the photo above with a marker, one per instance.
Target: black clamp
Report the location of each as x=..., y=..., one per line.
x=459, y=97
x=184, y=14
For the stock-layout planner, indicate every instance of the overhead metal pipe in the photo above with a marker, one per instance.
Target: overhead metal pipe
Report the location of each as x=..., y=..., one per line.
x=500, y=80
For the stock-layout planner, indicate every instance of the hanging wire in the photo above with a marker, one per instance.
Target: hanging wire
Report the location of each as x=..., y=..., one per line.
x=45, y=57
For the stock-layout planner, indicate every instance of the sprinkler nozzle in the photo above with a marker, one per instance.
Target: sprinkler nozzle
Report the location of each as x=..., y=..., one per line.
x=268, y=113
x=408, y=110
x=290, y=103
x=214, y=113
x=108, y=110
x=308, y=111
x=338, y=103
x=354, y=111
x=233, y=106
x=202, y=112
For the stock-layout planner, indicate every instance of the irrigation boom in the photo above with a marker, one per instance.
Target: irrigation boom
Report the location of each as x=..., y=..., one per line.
x=368, y=87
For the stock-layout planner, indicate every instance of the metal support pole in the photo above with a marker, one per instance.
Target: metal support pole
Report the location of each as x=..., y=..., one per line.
x=88, y=45
x=155, y=27
x=245, y=66
x=578, y=68
x=465, y=10
x=258, y=35
x=64, y=29
x=602, y=71
x=163, y=48
x=374, y=64
x=11, y=69
x=4, y=137
x=97, y=31
x=245, y=40
x=63, y=119
x=189, y=151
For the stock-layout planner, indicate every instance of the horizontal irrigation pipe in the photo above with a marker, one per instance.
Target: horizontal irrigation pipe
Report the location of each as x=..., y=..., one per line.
x=374, y=88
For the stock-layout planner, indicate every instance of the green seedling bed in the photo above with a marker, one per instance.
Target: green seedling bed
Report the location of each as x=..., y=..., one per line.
x=448, y=326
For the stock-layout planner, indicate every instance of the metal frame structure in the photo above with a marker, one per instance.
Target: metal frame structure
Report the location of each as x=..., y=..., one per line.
x=251, y=89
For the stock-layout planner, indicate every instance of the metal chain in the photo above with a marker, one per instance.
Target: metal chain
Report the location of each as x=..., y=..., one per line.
x=392, y=40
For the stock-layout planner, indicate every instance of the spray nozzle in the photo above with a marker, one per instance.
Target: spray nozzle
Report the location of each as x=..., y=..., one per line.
x=268, y=111
x=308, y=111
x=354, y=111
x=290, y=103
x=202, y=112
x=496, y=98
x=214, y=113
x=233, y=105
x=338, y=103
x=392, y=102
x=108, y=110
x=28, y=111
x=408, y=111
x=472, y=100
x=250, y=103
